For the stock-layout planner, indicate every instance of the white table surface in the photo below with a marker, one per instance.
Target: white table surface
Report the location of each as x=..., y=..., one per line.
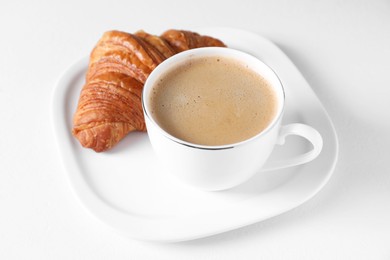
x=341, y=47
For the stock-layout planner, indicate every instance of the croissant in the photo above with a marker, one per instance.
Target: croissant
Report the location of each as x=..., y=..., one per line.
x=109, y=105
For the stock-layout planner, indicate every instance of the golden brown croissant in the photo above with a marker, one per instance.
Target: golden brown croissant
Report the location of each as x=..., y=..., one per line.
x=109, y=106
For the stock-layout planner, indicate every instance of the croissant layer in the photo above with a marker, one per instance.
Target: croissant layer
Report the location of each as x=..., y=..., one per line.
x=109, y=105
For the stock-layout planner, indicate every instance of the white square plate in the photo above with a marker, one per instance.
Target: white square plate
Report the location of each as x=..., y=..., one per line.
x=127, y=189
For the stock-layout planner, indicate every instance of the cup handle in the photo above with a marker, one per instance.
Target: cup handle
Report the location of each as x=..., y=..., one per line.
x=305, y=131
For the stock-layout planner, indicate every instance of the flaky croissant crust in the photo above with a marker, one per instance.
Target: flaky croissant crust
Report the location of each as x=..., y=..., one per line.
x=109, y=105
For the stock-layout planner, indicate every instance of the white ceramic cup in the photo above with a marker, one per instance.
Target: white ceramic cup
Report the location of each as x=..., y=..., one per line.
x=222, y=167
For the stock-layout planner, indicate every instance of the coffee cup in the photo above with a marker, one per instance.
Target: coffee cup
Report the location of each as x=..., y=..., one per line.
x=212, y=161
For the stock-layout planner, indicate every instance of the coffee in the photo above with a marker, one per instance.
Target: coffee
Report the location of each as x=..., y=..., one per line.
x=213, y=101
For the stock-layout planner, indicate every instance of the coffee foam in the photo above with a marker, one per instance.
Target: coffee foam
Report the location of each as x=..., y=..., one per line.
x=213, y=101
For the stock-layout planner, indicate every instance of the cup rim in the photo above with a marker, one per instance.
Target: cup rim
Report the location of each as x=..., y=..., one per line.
x=208, y=51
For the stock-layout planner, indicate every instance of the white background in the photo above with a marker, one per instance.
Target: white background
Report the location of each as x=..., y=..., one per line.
x=342, y=48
